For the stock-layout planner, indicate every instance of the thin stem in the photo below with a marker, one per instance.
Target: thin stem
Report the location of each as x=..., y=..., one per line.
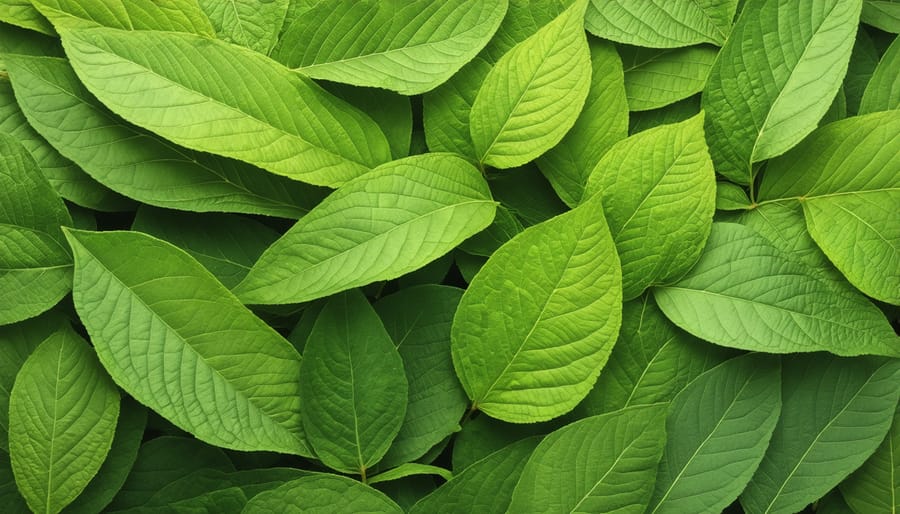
x=362, y=472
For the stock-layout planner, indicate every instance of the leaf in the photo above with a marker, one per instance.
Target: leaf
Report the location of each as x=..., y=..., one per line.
x=602, y=122
x=391, y=221
x=669, y=24
x=532, y=96
x=297, y=130
x=141, y=165
x=603, y=463
x=731, y=197
x=656, y=78
x=505, y=226
x=410, y=469
x=875, y=486
x=23, y=14
x=835, y=414
x=527, y=194
x=419, y=320
x=35, y=266
x=446, y=110
x=537, y=323
x=774, y=79
x=62, y=413
x=408, y=47
x=171, y=15
x=832, y=503
x=391, y=111
x=322, y=494
x=745, y=293
x=863, y=61
x=12, y=501
x=882, y=14
x=251, y=23
x=845, y=175
x=353, y=386
x=139, y=296
x=640, y=121
x=657, y=190
x=718, y=429
x=883, y=91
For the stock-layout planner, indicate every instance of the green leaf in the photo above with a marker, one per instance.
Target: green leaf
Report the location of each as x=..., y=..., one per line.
x=35, y=266
x=846, y=176
x=391, y=111
x=527, y=194
x=731, y=197
x=875, y=487
x=23, y=14
x=62, y=418
x=446, y=110
x=835, y=413
x=882, y=14
x=832, y=503
x=391, y=221
x=12, y=501
x=138, y=295
x=408, y=47
x=297, y=130
x=883, y=91
x=537, y=323
x=667, y=24
x=656, y=78
x=419, y=320
x=746, y=293
x=141, y=165
x=718, y=430
x=322, y=494
x=532, y=96
x=505, y=226
x=604, y=463
x=602, y=122
x=640, y=121
x=775, y=79
x=657, y=190
x=410, y=469
x=251, y=23
x=863, y=61
x=172, y=15
x=353, y=385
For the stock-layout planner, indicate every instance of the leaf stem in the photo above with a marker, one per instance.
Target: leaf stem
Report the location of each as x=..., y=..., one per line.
x=362, y=473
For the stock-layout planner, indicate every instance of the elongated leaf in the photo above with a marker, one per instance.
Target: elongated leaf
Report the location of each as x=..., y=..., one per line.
x=875, y=487
x=537, y=323
x=62, y=412
x=657, y=190
x=883, y=91
x=391, y=221
x=656, y=78
x=775, y=78
x=23, y=14
x=322, y=494
x=882, y=14
x=138, y=164
x=603, y=463
x=173, y=15
x=410, y=469
x=251, y=23
x=835, y=414
x=602, y=122
x=35, y=266
x=846, y=176
x=214, y=105
x=640, y=121
x=139, y=296
x=353, y=385
x=667, y=24
x=532, y=96
x=718, y=430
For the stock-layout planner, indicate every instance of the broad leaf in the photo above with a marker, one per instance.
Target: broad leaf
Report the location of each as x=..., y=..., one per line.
x=746, y=293
x=604, y=463
x=62, y=413
x=657, y=190
x=875, y=487
x=668, y=24
x=391, y=221
x=251, y=23
x=537, y=323
x=408, y=47
x=322, y=494
x=353, y=386
x=532, y=96
x=882, y=14
x=297, y=129
x=718, y=430
x=23, y=14
x=883, y=91
x=775, y=78
x=835, y=414
x=656, y=78
x=172, y=15
x=177, y=340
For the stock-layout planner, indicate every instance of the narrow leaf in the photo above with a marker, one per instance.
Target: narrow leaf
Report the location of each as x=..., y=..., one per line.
x=410, y=469
x=669, y=24
x=322, y=494
x=251, y=23
x=883, y=91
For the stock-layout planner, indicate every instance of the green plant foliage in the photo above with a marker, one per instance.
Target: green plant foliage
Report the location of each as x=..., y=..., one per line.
x=875, y=486
x=655, y=78
x=322, y=494
x=173, y=15
x=255, y=24
x=670, y=24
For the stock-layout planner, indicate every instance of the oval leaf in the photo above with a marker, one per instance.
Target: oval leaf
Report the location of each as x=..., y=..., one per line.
x=322, y=494
x=668, y=24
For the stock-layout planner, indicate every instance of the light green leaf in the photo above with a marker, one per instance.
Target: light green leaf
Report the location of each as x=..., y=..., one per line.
x=391, y=111
x=656, y=78
x=35, y=266
x=532, y=96
x=172, y=15
x=775, y=78
x=251, y=23
x=882, y=14
x=505, y=226
x=718, y=429
x=62, y=418
x=353, y=387
x=419, y=320
x=602, y=122
x=835, y=414
x=604, y=463
x=640, y=121
x=139, y=296
x=408, y=47
x=746, y=293
x=391, y=221
x=875, y=487
x=537, y=323
x=322, y=494
x=410, y=469
x=141, y=165
x=846, y=176
x=883, y=91
x=658, y=192
x=296, y=129
x=23, y=14
x=668, y=24
x=446, y=110
x=731, y=197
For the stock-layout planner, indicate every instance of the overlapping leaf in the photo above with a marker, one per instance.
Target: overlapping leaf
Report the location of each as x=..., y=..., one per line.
x=255, y=24
x=668, y=24
x=322, y=494
x=875, y=486
x=173, y=15
x=656, y=78
x=883, y=91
